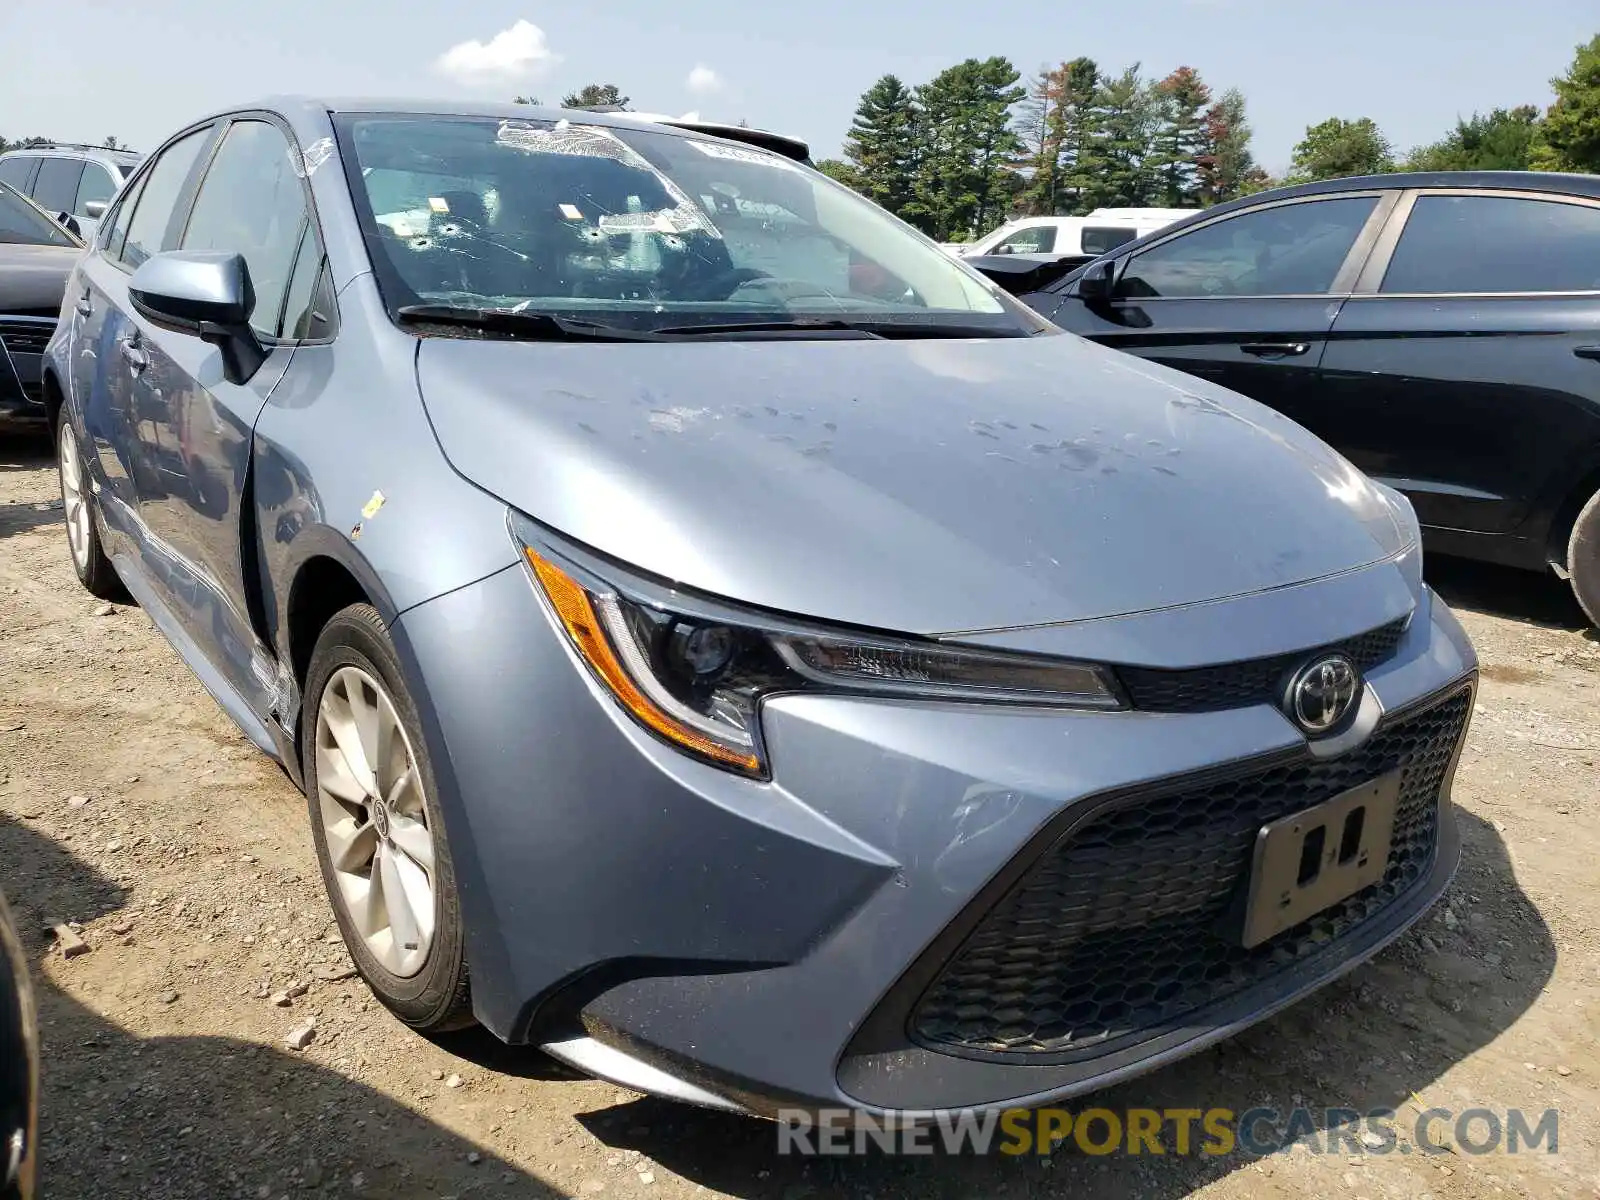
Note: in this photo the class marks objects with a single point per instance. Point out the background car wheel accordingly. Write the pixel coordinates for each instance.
(378, 832)
(1583, 558)
(89, 558)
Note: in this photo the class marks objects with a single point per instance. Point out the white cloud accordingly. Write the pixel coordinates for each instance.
(515, 55)
(703, 81)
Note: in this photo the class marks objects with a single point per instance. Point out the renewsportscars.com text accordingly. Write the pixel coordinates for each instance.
(1212, 1132)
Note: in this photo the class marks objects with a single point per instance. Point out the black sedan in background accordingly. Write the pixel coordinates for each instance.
(36, 255)
(1441, 330)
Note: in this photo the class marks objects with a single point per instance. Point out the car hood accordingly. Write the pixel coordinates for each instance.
(933, 486)
(34, 278)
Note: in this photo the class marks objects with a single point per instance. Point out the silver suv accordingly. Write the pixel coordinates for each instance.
(70, 180)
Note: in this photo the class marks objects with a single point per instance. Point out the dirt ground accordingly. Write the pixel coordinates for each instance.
(190, 870)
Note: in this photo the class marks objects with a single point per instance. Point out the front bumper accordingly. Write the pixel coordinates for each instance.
(766, 945)
(22, 342)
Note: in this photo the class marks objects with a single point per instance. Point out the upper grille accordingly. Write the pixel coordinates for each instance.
(1255, 681)
(1118, 931)
(25, 337)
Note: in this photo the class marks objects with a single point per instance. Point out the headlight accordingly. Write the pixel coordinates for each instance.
(694, 672)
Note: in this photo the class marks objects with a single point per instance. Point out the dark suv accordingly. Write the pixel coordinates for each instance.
(1441, 330)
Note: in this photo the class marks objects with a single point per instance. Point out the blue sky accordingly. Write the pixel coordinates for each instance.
(136, 70)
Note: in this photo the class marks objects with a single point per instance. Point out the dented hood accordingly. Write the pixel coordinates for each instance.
(920, 486)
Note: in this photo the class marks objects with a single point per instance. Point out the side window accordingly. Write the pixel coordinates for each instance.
(1034, 239)
(1102, 239)
(114, 231)
(163, 185)
(18, 172)
(307, 308)
(1286, 250)
(252, 203)
(56, 188)
(1496, 244)
(95, 185)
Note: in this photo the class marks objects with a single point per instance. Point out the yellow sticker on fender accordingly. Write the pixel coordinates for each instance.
(373, 505)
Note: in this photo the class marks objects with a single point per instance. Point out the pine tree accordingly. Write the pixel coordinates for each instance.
(1113, 171)
(963, 178)
(596, 95)
(1227, 169)
(1179, 138)
(882, 146)
(1039, 129)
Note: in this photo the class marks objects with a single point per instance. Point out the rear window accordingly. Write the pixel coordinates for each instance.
(1497, 244)
(56, 188)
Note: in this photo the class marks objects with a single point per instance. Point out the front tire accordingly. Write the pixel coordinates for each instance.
(89, 559)
(379, 835)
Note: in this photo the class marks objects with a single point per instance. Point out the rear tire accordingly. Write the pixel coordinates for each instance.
(81, 509)
(378, 831)
(1583, 559)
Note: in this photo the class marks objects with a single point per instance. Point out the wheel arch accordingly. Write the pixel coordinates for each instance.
(54, 395)
(1565, 514)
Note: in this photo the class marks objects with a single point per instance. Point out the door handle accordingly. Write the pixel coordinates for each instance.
(85, 306)
(138, 360)
(1276, 349)
(1590, 352)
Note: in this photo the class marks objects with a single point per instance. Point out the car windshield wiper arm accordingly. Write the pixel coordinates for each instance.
(801, 325)
(868, 327)
(515, 323)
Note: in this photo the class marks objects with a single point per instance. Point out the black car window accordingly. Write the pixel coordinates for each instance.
(22, 224)
(1496, 244)
(1283, 250)
(164, 182)
(56, 187)
(114, 230)
(1102, 239)
(18, 172)
(252, 203)
(96, 184)
(304, 317)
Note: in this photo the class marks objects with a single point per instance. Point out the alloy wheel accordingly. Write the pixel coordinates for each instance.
(369, 794)
(73, 497)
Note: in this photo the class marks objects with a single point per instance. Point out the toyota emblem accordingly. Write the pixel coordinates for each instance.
(1323, 693)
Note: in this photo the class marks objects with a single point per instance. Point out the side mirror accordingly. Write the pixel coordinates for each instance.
(95, 209)
(1098, 282)
(70, 223)
(206, 294)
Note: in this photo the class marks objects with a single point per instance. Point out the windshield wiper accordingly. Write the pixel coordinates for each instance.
(802, 325)
(539, 326)
(870, 327)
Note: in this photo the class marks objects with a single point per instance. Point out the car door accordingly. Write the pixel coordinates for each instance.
(123, 452)
(251, 202)
(1246, 299)
(1465, 371)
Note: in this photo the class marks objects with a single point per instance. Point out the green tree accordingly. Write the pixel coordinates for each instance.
(1112, 169)
(526, 100)
(1337, 148)
(1569, 137)
(1039, 132)
(1179, 137)
(1227, 168)
(841, 171)
(964, 178)
(1501, 141)
(596, 95)
(882, 146)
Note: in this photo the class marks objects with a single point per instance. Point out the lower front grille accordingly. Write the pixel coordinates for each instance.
(1118, 931)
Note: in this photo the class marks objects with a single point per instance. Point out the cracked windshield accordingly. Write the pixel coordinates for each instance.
(650, 229)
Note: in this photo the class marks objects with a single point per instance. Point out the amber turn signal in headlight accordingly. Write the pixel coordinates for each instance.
(596, 625)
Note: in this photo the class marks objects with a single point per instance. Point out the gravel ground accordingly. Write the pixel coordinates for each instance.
(131, 806)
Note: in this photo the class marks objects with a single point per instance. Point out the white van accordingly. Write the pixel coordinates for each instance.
(1055, 237)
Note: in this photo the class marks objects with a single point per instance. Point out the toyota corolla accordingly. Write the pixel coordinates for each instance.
(721, 638)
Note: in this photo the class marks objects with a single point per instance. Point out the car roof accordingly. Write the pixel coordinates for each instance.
(120, 158)
(301, 109)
